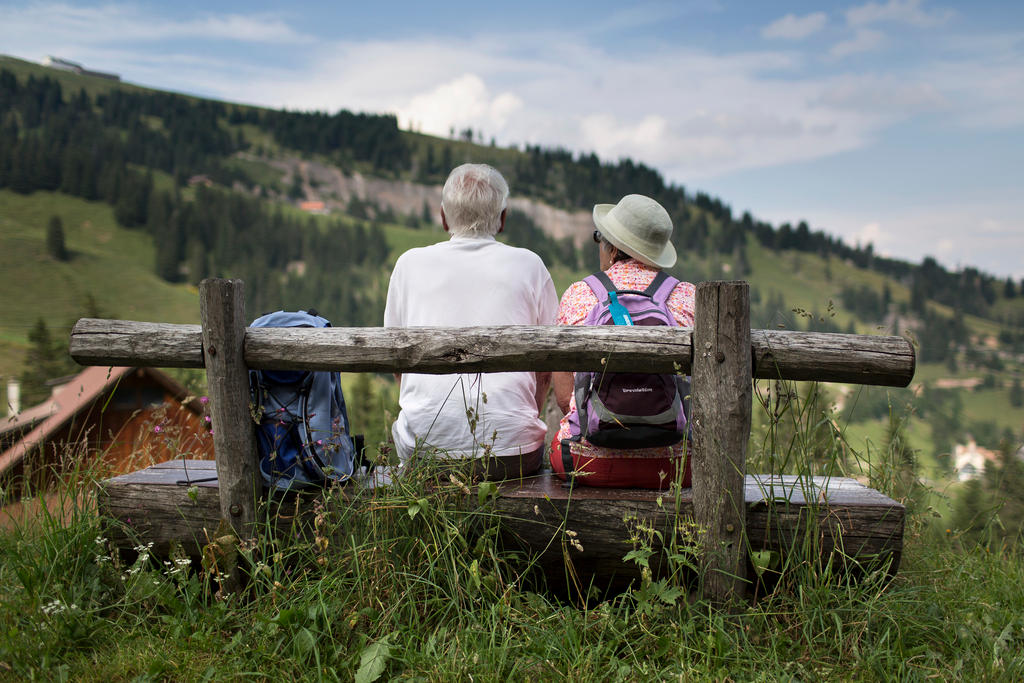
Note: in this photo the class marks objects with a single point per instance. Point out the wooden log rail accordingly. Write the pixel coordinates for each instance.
(775, 354)
(722, 353)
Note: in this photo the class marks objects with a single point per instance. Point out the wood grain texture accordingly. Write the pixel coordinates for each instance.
(721, 428)
(433, 350)
(826, 357)
(778, 354)
(95, 341)
(222, 309)
(829, 518)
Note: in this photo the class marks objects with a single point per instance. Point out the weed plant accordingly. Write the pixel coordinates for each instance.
(410, 582)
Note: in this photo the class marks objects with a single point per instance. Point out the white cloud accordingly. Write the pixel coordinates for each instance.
(895, 12)
(863, 40)
(613, 138)
(898, 12)
(985, 88)
(877, 94)
(459, 103)
(871, 233)
(792, 27)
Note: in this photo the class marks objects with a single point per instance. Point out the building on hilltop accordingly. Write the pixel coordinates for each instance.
(62, 64)
(74, 67)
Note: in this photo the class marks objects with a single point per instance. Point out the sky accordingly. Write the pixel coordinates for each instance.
(894, 122)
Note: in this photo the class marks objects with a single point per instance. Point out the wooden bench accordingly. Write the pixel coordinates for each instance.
(851, 523)
(735, 512)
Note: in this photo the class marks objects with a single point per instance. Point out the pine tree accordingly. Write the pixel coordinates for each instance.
(1016, 393)
(46, 359)
(55, 239)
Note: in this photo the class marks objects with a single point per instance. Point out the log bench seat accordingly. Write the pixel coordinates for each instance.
(842, 519)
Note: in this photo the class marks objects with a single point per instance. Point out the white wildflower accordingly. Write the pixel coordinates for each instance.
(53, 607)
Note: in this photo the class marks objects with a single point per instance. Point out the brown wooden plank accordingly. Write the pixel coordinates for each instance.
(721, 429)
(96, 341)
(159, 513)
(882, 360)
(829, 357)
(222, 311)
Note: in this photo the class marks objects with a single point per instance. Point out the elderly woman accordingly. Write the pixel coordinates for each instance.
(634, 241)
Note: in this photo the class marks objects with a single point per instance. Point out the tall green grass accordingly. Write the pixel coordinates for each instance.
(409, 582)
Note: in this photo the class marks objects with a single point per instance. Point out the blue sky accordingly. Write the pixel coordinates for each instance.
(896, 122)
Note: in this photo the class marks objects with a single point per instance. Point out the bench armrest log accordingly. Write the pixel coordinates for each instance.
(721, 428)
(775, 354)
(222, 310)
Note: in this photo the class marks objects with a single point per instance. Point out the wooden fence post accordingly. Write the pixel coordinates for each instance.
(222, 312)
(721, 408)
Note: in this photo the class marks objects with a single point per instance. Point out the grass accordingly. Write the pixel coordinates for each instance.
(410, 585)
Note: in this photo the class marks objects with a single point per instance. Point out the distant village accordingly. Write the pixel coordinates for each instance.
(76, 68)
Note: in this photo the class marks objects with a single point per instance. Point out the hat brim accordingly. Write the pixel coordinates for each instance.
(619, 237)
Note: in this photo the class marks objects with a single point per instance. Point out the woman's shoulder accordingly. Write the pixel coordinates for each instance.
(577, 300)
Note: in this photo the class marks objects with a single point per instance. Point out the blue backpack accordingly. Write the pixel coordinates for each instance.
(302, 432)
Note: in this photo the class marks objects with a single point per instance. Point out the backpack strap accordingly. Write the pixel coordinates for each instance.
(661, 287)
(600, 285)
(568, 466)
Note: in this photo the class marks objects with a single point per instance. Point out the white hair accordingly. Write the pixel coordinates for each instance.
(473, 198)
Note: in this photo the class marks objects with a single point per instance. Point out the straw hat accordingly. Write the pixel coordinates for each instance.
(639, 226)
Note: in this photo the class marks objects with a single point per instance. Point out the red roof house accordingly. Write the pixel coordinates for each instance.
(115, 419)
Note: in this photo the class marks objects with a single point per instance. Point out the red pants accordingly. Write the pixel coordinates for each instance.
(640, 473)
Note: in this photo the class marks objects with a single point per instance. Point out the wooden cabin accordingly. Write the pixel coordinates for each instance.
(118, 419)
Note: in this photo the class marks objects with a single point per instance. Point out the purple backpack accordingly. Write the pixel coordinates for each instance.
(628, 410)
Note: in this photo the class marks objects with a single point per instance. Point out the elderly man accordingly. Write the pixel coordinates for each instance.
(470, 280)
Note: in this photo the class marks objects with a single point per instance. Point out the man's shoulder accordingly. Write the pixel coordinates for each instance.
(417, 254)
(522, 253)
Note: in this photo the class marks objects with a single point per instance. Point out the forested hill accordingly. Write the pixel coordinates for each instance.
(216, 186)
